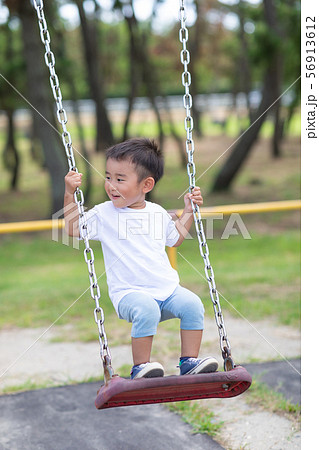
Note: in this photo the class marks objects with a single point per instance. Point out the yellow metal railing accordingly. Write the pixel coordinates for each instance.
(249, 208)
(246, 208)
(30, 226)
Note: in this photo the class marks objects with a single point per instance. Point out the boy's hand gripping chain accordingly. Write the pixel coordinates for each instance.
(78, 195)
(191, 170)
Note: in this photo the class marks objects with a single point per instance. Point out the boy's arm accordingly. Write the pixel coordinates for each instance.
(184, 222)
(71, 216)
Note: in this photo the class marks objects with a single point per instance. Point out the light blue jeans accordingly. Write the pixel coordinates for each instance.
(145, 312)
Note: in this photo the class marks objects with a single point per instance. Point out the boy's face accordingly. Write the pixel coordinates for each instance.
(122, 185)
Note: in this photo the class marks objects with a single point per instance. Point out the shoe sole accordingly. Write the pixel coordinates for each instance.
(153, 373)
(204, 366)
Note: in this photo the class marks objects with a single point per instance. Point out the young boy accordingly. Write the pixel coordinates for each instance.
(143, 286)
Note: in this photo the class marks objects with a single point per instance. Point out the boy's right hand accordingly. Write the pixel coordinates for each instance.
(72, 181)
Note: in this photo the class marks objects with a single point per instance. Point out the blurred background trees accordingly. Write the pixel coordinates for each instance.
(130, 49)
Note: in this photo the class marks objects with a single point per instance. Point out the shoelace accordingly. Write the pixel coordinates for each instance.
(188, 360)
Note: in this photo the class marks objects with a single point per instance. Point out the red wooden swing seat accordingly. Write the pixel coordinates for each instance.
(124, 392)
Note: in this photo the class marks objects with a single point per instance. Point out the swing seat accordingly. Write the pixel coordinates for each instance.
(125, 392)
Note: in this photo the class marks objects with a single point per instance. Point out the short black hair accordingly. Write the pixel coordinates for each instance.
(144, 153)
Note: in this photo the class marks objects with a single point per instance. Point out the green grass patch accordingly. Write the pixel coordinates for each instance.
(199, 418)
(124, 371)
(256, 278)
(275, 402)
(30, 385)
(43, 281)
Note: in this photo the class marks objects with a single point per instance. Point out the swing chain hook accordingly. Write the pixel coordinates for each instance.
(191, 171)
(78, 195)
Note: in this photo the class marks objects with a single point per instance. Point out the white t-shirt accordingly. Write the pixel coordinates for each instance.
(133, 244)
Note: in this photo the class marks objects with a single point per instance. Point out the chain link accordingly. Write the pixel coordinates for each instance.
(78, 195)
(191, 171)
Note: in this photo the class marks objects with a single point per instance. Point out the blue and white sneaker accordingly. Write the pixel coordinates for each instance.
(192, 366)
(147, 370)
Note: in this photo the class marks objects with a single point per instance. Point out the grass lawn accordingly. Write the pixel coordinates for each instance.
(41, 279)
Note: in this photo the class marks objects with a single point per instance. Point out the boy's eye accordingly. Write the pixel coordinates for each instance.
(120, 179)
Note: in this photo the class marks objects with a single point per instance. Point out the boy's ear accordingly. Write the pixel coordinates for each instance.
(148, 184)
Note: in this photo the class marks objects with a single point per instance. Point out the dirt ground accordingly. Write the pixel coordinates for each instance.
(31, 356)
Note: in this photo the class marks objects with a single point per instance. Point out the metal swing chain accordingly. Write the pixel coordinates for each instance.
(78, 195)
(191, 171)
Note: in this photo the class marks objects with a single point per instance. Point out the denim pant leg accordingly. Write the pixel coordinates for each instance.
(142, 311)
(186, 306)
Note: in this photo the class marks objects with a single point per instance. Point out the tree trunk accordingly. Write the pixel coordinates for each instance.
(86, 156)
(141, 61)
(194, 49)
(152, 84)
(245, 71)
(239, 154)
(271, 18)
(10, 154)
(270, 95)
(40, 98)
(104, 133)
(134, 81)
(179, 141)
(291, 110)
(278, 131)
(36, 150)
(61, 55)
(11, 158)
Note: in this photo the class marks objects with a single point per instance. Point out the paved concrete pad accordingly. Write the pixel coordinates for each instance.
(65, 418)
(282, 376)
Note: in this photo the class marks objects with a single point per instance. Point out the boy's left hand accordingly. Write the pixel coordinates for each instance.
(195, 196)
